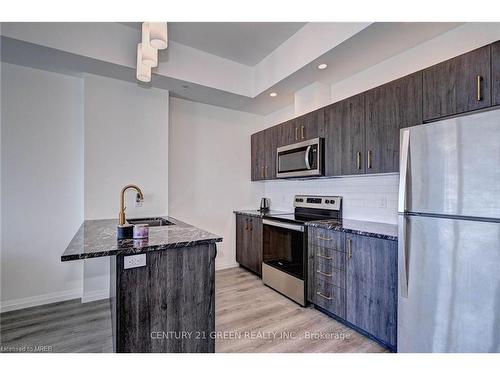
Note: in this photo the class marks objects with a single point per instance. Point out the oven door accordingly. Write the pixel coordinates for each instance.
(300, 159)
(283, 255)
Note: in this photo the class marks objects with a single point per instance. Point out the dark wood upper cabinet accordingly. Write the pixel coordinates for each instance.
(249, 242)
(371, 279)
(345, 137)
(257, 156)
(310, 125)
(271, 143)
(286, 133)
(495, 72)
(389, 108)
(263, 154)
(458, 85)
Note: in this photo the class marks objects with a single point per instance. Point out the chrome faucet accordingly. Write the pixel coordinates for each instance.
(121, 216)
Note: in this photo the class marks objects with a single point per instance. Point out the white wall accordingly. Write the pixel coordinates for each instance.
(42, 185)
(209, 164)
(126, 141)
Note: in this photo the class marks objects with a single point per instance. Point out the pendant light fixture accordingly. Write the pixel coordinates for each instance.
(158, 34)
(149, 53)
(143, 71)
(154, 37)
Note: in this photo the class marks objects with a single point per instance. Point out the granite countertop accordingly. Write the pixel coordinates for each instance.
(97, 238)
(258, 213)
(365, 228)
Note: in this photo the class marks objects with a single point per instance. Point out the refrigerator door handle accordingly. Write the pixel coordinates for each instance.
(403, 256)
(403, 169)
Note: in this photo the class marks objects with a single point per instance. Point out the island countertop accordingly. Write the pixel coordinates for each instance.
(97, 238)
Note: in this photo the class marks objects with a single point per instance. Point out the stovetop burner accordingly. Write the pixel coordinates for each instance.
(311, 208)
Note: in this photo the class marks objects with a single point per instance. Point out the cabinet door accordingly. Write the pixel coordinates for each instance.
(254, 157)
(255, 252)
(372, 286)
(345, 137)
(310, 125)
(287, 133)
(389, 108)
(452, 86)
(258, 156)
(495, 72)
(241, 239)
(270, 142)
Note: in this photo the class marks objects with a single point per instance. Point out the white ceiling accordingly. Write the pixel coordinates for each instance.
(244, 42)
(181, 71)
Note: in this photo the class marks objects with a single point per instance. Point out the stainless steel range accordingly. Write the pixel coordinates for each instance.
(284, 266)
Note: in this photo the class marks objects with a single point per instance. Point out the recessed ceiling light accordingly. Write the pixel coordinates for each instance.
(322, 66)
(273, 94)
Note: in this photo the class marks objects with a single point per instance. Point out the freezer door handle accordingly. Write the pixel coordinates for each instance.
(403, 256)
(403, 169)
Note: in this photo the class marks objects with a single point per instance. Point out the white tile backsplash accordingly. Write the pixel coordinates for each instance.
(371, 198)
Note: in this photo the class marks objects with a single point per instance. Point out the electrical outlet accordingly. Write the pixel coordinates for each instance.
(134, 261)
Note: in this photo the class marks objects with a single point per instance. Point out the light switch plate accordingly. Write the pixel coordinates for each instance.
(134, 261)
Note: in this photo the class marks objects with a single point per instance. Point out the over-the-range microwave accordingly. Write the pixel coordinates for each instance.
(303, 159)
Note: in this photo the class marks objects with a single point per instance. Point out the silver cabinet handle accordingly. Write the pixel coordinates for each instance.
(369, 159)
(479, 93)
(325, 238)
(323, 296)
(302, 131)
(349, 248)
(324, 256)
(323, 273)
(358, 160)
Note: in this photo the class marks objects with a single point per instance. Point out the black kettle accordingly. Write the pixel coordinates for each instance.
(264, 204)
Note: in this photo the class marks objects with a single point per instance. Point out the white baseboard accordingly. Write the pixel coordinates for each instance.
(43, 299)
(95, 295)
(225, 266)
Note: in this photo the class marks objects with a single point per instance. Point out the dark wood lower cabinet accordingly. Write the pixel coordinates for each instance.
(249, 242)
(354, 278)
(167, 306)
(372, 286)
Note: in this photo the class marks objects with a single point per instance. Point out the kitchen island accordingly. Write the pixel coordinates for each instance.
(162, 289)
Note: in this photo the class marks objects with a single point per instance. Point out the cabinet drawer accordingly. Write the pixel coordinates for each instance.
(330, 297)
(328, 259)
(334, 276)
(326, 238)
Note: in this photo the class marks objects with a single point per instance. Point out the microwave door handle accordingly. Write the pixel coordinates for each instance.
(308, 151)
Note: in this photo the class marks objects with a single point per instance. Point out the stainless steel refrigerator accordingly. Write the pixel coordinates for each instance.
(449, 236)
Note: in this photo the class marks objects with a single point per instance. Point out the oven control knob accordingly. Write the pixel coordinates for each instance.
(332, 201)
(327, 201)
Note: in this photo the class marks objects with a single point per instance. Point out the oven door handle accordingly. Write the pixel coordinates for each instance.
(295, 227)
(306, 158)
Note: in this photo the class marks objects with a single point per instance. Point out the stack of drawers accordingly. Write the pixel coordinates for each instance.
(327, 270)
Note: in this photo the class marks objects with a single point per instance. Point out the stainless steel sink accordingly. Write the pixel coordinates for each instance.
(151, 221)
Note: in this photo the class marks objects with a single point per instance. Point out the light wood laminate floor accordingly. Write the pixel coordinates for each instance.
(250, 317)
